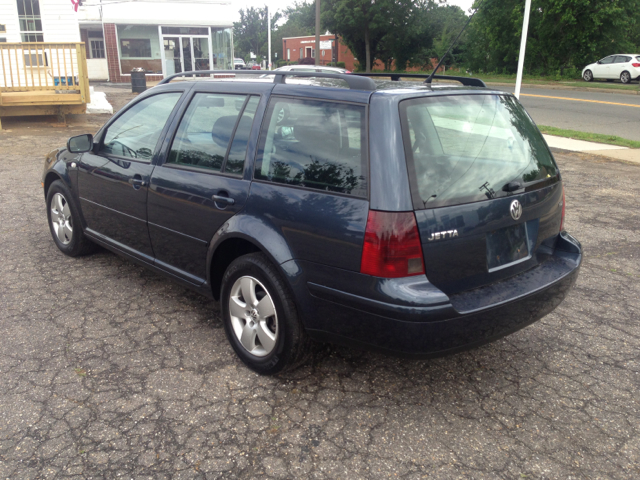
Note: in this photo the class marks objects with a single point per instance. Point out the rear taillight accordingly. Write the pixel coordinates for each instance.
(391, 245)
(563, 210)
(636, 65)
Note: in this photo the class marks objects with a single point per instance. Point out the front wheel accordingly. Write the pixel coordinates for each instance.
(260, 317)
(64, 222)
(587, 75)
(625, 77)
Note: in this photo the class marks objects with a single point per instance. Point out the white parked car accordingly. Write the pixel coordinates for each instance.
(312, 68)
(625, 66)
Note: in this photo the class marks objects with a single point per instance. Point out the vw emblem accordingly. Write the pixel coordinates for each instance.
(516, 210)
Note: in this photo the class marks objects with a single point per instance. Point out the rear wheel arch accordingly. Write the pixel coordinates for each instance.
(225, 253)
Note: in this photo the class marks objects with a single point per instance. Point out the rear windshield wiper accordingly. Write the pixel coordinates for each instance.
(512, 186)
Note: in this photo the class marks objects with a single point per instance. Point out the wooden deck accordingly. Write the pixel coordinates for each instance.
(43, 79)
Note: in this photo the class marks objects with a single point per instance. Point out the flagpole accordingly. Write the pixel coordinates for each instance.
(523, 46)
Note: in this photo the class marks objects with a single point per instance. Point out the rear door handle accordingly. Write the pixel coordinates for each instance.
(223, 199)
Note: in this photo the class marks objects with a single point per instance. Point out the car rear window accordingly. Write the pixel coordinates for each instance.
(314, 144)
(467, 148)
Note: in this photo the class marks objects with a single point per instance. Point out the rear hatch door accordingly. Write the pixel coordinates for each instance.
(485, 188)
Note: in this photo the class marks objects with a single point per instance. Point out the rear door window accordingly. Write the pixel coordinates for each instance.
(314, 144)
(468, 148)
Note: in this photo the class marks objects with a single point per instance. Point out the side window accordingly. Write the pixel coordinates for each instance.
(136, 132)
(314, 144)
(206, 129)
(607, 60)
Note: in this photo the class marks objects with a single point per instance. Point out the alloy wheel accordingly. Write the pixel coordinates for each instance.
(61, 219)
(588, 75)
(625, 77)
(253, 316)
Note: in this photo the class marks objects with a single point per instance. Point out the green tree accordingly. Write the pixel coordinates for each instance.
(250, 33)
(362, 24)
(562, 33)
(390, 30)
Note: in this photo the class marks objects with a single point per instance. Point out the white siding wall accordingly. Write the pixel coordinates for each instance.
(97, 69)
(59, 21)
(9, 17)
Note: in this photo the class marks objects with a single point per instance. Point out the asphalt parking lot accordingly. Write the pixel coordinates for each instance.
(109, 370)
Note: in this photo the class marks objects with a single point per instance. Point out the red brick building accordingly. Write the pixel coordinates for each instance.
(296, 48)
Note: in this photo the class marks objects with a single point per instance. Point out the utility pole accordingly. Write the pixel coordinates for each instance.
(523, 46)
(317, 32)
(269, 37)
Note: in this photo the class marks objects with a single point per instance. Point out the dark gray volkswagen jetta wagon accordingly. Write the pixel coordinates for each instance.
(412, 218)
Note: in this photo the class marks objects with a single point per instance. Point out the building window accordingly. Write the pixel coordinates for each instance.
(300, 57)
(135, 47)
(288, 54)
(30, 21)
(139, 47)
(97, 48)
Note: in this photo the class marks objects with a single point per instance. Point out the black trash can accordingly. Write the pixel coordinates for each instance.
(138, 80)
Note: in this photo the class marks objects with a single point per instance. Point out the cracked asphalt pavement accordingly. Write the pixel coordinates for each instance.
(108, 370)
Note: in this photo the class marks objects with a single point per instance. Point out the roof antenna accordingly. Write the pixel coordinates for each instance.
(430, 77)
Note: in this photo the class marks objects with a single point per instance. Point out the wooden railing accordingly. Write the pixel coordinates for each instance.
(52, 67)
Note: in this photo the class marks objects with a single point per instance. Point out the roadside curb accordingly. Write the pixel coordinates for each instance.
(566, 87)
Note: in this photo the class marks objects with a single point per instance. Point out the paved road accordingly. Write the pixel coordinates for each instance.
(607, 113)
(108, 370)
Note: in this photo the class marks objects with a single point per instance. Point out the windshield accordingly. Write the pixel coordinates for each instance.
(468, 148)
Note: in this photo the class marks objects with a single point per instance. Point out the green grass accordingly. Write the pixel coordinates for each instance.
(590, 137)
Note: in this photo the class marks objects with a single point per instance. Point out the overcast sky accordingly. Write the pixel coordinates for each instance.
(282, 4)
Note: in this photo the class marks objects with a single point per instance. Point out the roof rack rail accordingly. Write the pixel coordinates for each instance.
(466, 81)
(355, 82)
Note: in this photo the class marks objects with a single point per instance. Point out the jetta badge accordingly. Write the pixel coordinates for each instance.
(516, 210)
(443, 235)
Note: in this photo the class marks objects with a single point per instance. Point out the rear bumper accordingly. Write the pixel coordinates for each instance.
(464, 321)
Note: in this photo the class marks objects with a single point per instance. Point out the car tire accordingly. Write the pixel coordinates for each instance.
(587, 76)
(260, 317)
(625, 77)
(64, 222)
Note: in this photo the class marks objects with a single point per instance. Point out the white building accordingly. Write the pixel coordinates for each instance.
(161, 37)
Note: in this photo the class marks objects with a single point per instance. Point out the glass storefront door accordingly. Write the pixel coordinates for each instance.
(196, 48)
(200, 53)
(172, 57)
(184, 54)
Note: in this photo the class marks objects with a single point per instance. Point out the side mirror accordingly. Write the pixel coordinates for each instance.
(80, 144)
(599, 62)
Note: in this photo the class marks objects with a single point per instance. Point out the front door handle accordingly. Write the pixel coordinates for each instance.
(223, 199)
